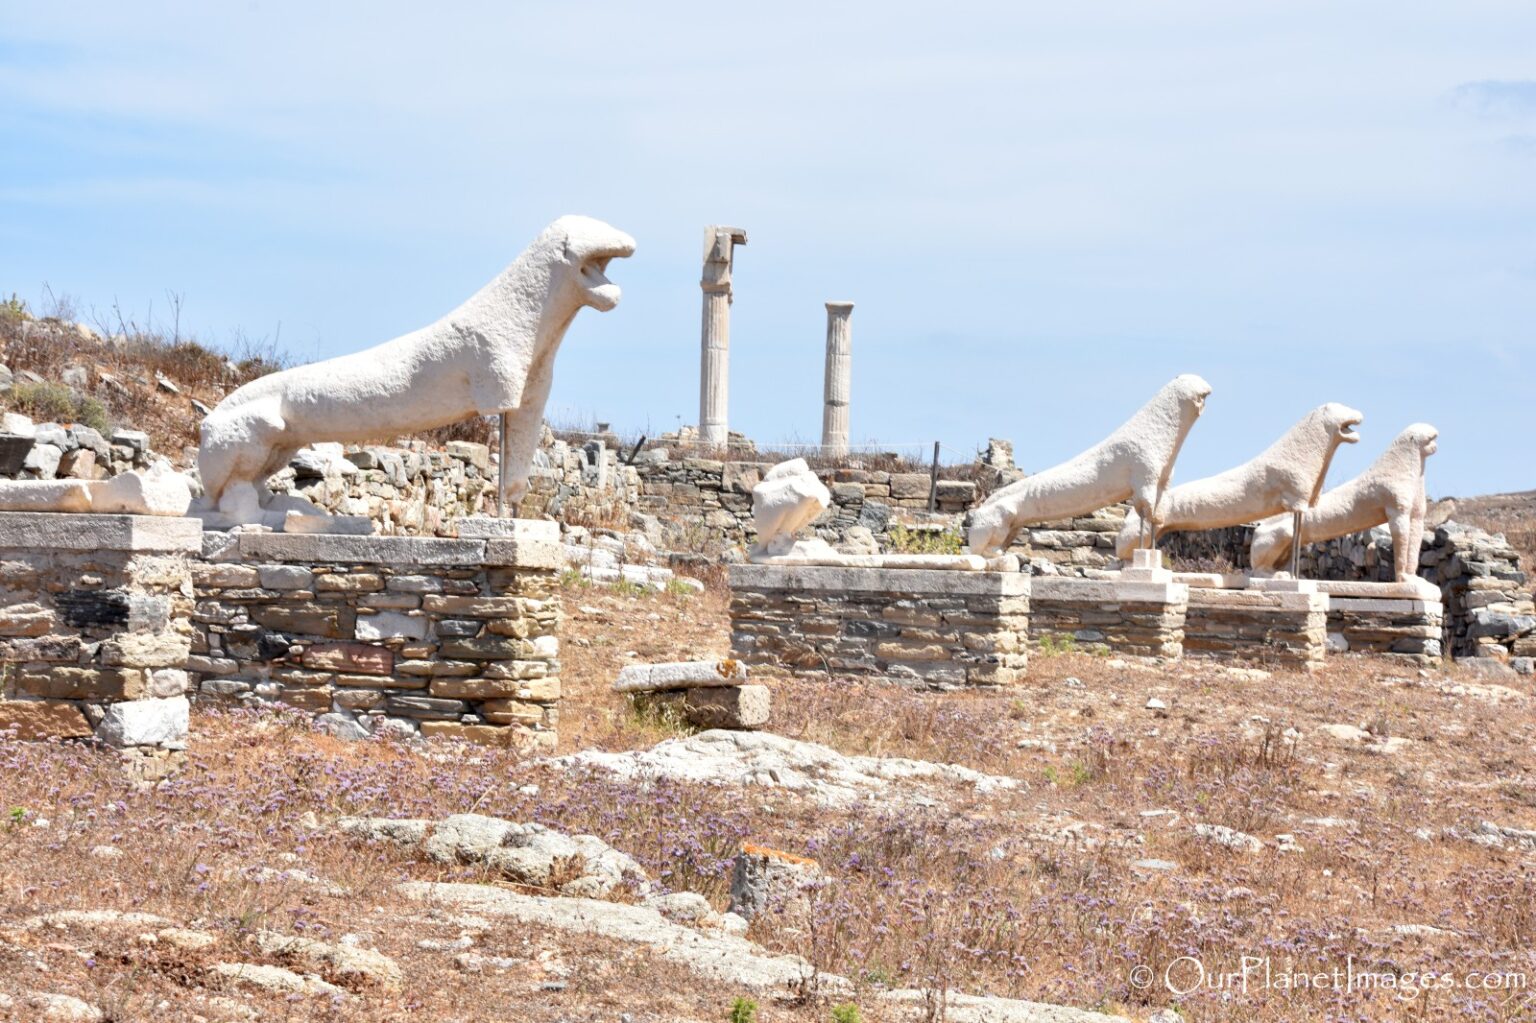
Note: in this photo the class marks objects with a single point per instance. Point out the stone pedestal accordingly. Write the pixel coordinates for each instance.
(1285, 626)
(1124, 616)
(1403, 620)
(941, 629)
(418, 635)
(94, 626)
(837, 388)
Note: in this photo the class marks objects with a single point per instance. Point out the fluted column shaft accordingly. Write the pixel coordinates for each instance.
(837, 389)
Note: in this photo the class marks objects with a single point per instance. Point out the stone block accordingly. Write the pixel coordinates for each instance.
(481, 527)
(69, 532)
(152, 722)
(63, 683)
(388, 625)
(910, 485)
(25, 620)
(765, 880)
(472, 607)
(634, 678)
(305, 619)
(485, 648)
(512, 712)
(147, 650)
(215, 576)
(747, 706)
(449, 687)
(528, 554)
(285, 577)
(426, 707)
(42, 719)
(332, 549)
(353, 658)
(480, 735)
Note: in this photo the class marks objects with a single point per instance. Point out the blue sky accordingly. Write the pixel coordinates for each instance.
(1042, 211)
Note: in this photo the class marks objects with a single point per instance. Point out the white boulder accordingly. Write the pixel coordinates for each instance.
(789, 498)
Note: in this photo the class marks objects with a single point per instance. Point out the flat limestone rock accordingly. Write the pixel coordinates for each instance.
(45, 496)
(941, 562)
(158, 490)
(654, 678)
(726, 960)
(339, 525)
(720, 757)
(1415, 588)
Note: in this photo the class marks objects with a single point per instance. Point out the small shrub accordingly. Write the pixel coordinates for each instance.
(654, 712)
(53, 403)
(925, 541)
(13, 310)
(845, 1013)
(625, 588)
(1053, 644)
(743, 1010)
(678, 588)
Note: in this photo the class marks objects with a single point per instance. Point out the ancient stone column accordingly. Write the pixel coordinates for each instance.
(839, 380)
(714, 373)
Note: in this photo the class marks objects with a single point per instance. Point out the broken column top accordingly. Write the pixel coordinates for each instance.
(719, 246)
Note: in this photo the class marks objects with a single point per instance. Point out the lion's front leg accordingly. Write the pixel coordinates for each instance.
(524, 425)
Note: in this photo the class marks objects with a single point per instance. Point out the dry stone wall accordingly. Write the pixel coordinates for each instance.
(93, 626)
(428, 636)
(1409, 629)
(928, 628)
(1281, 629)
(1141, 619)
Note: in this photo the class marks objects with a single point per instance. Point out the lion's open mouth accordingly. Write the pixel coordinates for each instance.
(1347, 432)
(603, 293)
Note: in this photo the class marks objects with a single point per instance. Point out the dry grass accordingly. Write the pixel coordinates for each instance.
(1032, 893)
(132, 355)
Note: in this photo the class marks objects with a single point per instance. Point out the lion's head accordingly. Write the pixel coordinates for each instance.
(1192, 391)
(988, 529)
(1421, 437)
(587, 246)
(1341, 421)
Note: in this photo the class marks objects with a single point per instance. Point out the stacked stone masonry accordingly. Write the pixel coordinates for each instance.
(94, 634)
(710, 502)
(937, 629)
(1138, 618)
(1287, 630)
(1409, 629)
(428, 636)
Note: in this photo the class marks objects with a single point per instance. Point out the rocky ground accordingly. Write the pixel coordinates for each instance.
(1036, 845)
(1514, 515)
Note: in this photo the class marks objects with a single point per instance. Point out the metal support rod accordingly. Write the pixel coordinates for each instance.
(635, 450)
(1296, 545)
(504, 448)
(933, 480)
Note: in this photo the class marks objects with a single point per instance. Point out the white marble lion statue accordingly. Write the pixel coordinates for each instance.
(1135, 462)
(493, 354)
(1287, 477)
(1391, 491)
